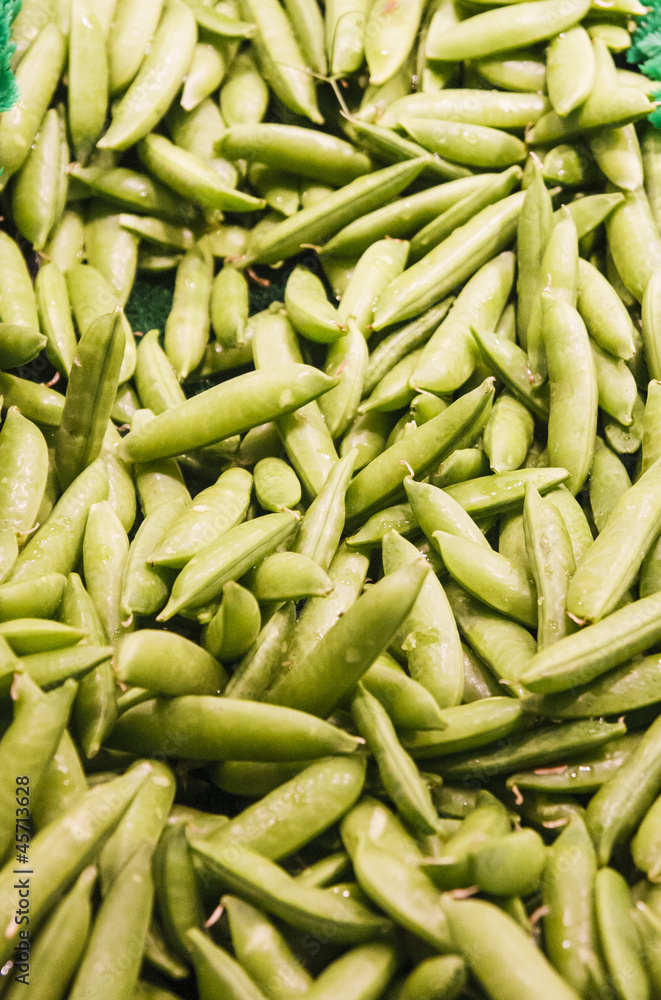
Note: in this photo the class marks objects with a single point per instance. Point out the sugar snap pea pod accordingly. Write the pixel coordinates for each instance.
(127, 909)
(362, 973)
(466, 727)
(53, 667)
(157, 81)
(111, 249)
(216, 972)
(634, 243)
(345, 23)
(533, 231)
(264, 953)
(449, 357)
(428, 635)
(539, 747)
(552, 561)
(155, 379)
(400, 776)
(605, 317)
(619, 936)
(368, 435)
(287, 576)
(509, 865)
(251, 779)
(145, 587)
(346, 360)
(645, 845)
(187, 326)
(130, 34)
(452, 865)
(235, 626)
(377, 267)
(442, 976)
(617, 153)
(558, 275)
(163, 235)
(262, 662)
(92, 296)
(587, 774)
(510, 363)
(625, 440)
(105, 550)
(132, 191)
(651, 420)
(400, 517)
(451, 262)
(38, 598)
(189, 425)
(389, 37)
(229, 307)
(435, 510)
(496, 494)
(205, 75)
(61, 942)
(57, 544)
(518, 70)
(24, 457)
(480, 107)
(34, 635)
(570, 928)
(569, 165)
(508, 434)
(55, 316)
(87, 79)
(308, 308)
(574, 518)
(321, 221)
(298, 811)
(356, 639)
(617, 392)
(227, 558)
(276, 485)
(570, 69)
(632, 685)
(573, 407)
(371, 820)
(90, 395)
(72, 839)
(381, 480)
(424, 406)
(244, 94)
(167, 663)
(66, 244)
(407, 702)
(19, 345)
(327, 871)
(177, 889)
(17, 301)
(622, 544)
(469, 145)
(34, 196)
(37, 77)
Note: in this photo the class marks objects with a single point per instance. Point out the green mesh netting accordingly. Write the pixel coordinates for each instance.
(8, 88)
(645, 50)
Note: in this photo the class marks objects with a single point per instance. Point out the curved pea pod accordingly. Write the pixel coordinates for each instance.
(470, 145)
(619, 935)
(17, 301)
(55, 316)
(489, 576)
(634, 242)
(24, 458)
(262, 662)
(406, 701)
(111, 249)
(466, 727)
(287, 74)
(579, 658)
(603, 313)
(345, 35)
(368, 435)
(570, 928)
(132, 191)
(645, 844)
(298, 811)
(156, 382)
(216, 972)
(376, 267)
(287, 576)
(227, 558)
(403, 891)
(308, 308)
(441, 976)
(509, 865)
(208, 728)
(371, 820)
(276, 485)
(508, 434)
(399, 517)
(105, 550)
(92, 297)
(34, 635)
(399, 774)
(356, 639)
(187, 326)
(88, 79)
(145, 587)
(37, 598)
(130, 34)
(587, 774)
(66, 244)
(37, 185)
(510, 363)
(451, 262)
(244, 95)
(207, 69)
(142, 823)
(167, 663)
(493, 108)
(449, 357)
(126, 908)
(233, 407)
(19, 345)
(517, 70)
(321, 221)
(363, 972)
(435, 510)
(618, 551)
(178, 901)
(92, 817)
(552, 561)
(617, 153)
(157, 81)
(235, 626)
(570, 165)
(229, 307)
(61, 942)
(428, 634)
(381, 480)
(56, 546)
(616, 385)
(505, 646)
(37, 77)
(264, 953)
(570, 70)
(347, 361)
(264, 884)
(451, 866)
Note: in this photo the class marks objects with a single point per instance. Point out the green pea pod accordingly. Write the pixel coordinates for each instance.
(444, 973)
(132, 191)
(617, 153)
(469, 145)
(91, 297)
(244, 95)
(356, 639)
(88, 79)
(450, 356)
(177, 889)
(157, 81)
(601, 309)
(264, 953)
(619, 935)
(644, 846)
(19, 345)
(37, 598)
(34, 198)
(398, 517)
(111, 249)
(17, 301)
(376, 268)
(205, 75)
(466, 727)
(517, 70)
(131, 32)
(262, 662)
(37, 77)
(229, 307)
(122, 921)
(276, 485)
(508, 434)
(247, 401)
(156, 382)
(510, 363)
(226, 728)
(308, 308)
(346, 360)
(298, 811)
(61, 942)
(371, 820)
(479, 107)
(216, 972)
(66, 244)
(192, 177)
(403, 891)
(552, 559)
(187, 326)
(389, 37)
(435, 510)
(510, 865)
(650, 426)
(323, 220)
(235, 626)
(263, 883)
(55, 316)
(368, 435)
(345, 34)
(534, 229)
(167, 663)
(280, 59)
(635, 244)
(407, 702)
(570, 70)
(105, 550)
(451, 262)
(452, 865)
(287, 576)
(586, 775)
(57, 544)
(24, 457)
(609, 480)
(363, 972)
(146, 586)
(250, 779)
(33, 635)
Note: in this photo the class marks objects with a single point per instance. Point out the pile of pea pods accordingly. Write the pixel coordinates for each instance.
(330, 632)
